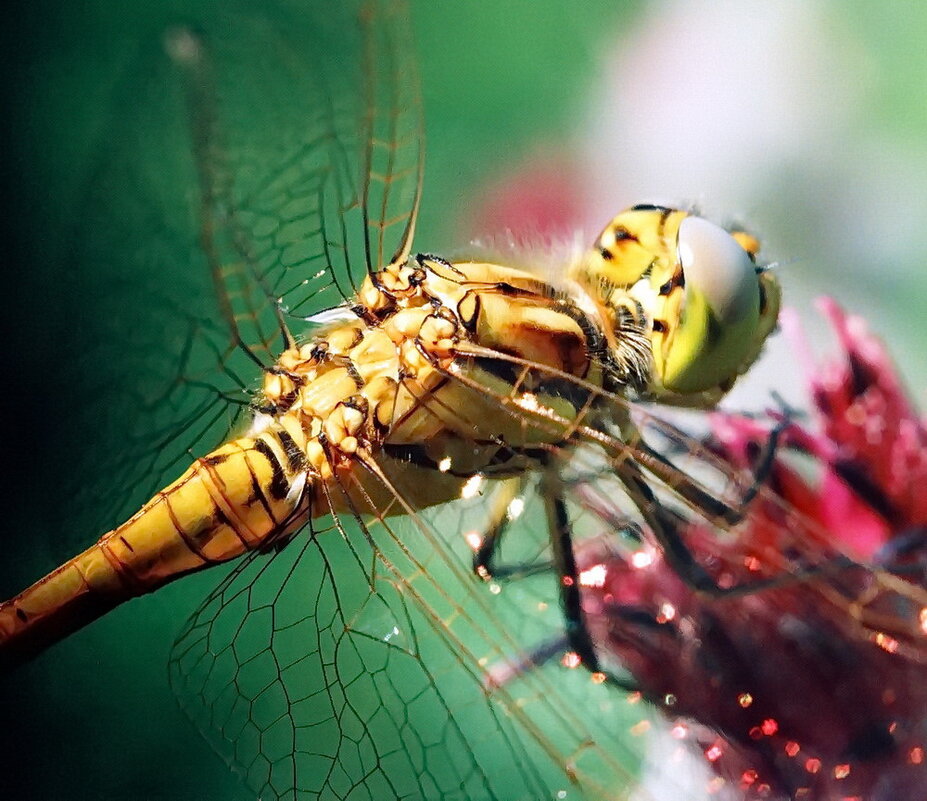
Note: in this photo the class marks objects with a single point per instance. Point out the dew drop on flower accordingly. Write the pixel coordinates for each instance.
(593, 576)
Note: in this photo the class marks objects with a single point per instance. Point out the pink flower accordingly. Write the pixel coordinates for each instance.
(814, 687)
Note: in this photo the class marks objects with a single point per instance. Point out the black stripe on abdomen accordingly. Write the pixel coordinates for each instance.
(279, 485)
(296, 459)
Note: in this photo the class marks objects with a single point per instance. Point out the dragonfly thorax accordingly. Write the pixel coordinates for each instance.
(345, 387)
(429, 335)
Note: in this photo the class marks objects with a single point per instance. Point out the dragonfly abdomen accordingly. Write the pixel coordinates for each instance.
(393, 377)
(236, 499)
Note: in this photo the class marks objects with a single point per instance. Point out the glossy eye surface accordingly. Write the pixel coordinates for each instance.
(718, 323)
(718, 267)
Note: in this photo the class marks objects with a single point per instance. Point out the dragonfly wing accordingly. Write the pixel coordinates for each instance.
(257, 164)
(307, 136)
(142, 361)
(357, 663)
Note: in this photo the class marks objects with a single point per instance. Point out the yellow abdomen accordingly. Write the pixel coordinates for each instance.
(236, 499)
(356, 422)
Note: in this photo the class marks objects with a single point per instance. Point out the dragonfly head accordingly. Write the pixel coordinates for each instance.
(692, 289)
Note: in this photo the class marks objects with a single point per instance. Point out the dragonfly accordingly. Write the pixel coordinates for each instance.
(362, 402)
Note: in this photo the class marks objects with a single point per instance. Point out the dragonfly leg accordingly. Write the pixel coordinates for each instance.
(578, 636)
(762, 468)
(500, 517)
(665, 526)
(712, 507)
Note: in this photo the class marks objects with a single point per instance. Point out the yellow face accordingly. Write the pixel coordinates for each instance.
(692, 288)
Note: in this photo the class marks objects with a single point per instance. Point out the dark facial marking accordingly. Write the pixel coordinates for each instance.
(651, 207)
(622, 234)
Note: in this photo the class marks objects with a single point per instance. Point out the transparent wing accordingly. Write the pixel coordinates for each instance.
(366, 659)
(257, 164)
(307, 132)
(355, 664)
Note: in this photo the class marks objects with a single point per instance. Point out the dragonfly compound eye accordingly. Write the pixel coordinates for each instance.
(726, 310)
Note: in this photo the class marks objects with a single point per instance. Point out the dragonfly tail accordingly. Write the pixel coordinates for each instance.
(67, 599)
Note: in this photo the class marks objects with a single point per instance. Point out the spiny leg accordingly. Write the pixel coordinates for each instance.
(577, 639)
(714, 508)
(665, 526)
(560, 532)
(762, 468)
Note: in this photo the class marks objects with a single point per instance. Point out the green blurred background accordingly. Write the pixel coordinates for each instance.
(815, 131)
